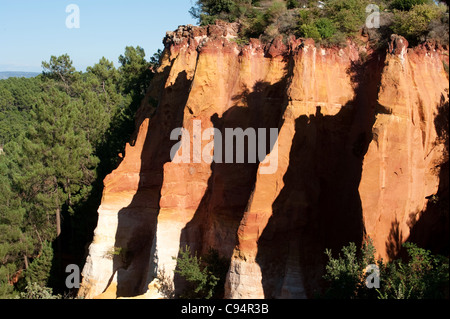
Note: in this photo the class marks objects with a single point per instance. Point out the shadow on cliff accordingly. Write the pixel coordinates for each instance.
(137, 222)
(431, 229)
(217, 218)
(394, 242)
(319, 206)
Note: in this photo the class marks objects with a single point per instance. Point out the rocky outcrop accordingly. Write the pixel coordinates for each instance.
(356, 155)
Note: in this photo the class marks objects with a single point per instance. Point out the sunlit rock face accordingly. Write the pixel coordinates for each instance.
(357, 155)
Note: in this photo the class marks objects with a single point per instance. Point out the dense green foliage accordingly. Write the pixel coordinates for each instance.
(331, 23)
(421, 276)
(422, 21)
(60, 134)
(35, 291)
(406, 5)
(205, 276)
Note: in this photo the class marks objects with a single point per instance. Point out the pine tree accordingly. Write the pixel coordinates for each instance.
(60, 69)
(15, 243)
(60, 134)
(63, 166)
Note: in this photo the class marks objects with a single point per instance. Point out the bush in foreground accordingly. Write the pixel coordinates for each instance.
(421, 276)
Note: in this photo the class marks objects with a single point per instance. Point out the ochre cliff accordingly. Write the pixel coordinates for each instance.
(357, 155)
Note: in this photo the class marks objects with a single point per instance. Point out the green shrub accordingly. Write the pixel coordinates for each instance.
(345, 274)
(305, 17)
(421, 276)
(275, 11)
(325, 27)
(414, 24)
(254, 25)
(241, 41)
(406, 5)
(332, 24)
(36, 291)
(348, 15)
(438, 29)
(321, 29)
(310, 31)
(205, 277)
(291, 4)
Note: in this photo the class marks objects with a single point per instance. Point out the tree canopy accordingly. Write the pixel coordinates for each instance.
(60, 133)
(328, 22)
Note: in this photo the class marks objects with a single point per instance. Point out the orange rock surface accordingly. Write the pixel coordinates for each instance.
(357, 156)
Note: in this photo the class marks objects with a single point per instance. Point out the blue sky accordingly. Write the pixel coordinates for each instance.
(33, 30)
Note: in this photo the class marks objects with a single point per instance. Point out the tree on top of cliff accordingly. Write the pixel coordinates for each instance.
(332, 21)
(328, 22)
(406, 5)
(422, 22)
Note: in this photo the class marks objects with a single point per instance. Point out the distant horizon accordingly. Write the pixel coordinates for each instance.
(33, 31)
(17, 74)
(24, 69)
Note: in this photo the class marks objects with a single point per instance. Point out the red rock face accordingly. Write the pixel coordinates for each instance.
(401, 167)
(357, 155)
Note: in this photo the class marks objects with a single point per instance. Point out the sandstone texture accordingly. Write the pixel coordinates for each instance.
(357, 155)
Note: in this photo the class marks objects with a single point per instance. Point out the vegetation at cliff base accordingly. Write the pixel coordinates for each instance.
(421, 275)
(204, 277)
(60, 135)
(329, 22)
